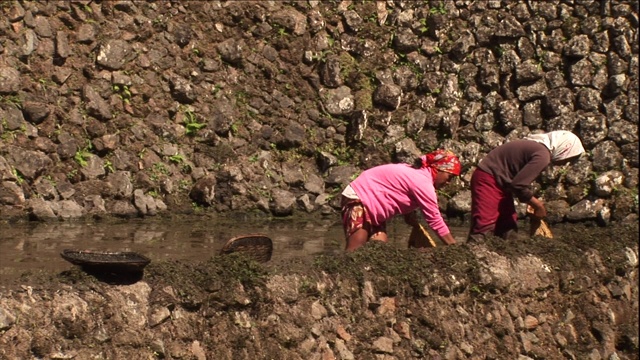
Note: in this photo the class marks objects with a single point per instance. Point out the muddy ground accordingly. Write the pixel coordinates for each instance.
(572, 297)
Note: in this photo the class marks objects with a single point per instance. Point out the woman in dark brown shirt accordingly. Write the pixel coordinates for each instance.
(507, 172)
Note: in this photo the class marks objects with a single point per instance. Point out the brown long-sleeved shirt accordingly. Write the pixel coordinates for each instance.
(516, 164)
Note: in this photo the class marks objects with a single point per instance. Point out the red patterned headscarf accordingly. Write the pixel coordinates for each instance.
(441, 160)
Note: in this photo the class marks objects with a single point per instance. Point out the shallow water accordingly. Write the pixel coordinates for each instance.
(28, 247)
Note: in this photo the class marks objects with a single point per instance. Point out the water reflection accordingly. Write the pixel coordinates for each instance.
(33, 246)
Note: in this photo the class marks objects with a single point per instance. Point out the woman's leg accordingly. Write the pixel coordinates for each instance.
(353, 220)
(507, 222)
(357, 225)
(357, 239)
(379, 234)
(485, 203)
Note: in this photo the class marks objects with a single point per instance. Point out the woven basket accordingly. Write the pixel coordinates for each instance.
(106, 261)
(257, 246)
(538, 227)
(420, 238)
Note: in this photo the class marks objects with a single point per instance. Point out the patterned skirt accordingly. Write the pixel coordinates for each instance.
(356, 217)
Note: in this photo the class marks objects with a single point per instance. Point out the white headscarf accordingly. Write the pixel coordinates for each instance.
(562, 144)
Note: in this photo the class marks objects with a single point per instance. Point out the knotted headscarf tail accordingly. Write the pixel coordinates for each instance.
(562, 144)
(441, 160)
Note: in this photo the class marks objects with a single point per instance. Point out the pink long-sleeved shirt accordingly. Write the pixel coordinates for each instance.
(394, 189)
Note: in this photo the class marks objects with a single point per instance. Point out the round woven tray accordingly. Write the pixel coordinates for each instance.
(106, 261)
(257, 246)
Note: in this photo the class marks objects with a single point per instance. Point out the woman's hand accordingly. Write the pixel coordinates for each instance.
(448, 239)
(539, 210)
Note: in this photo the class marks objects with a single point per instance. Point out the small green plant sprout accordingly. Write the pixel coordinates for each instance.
(423, 28)
(108, 166)
(177, 158)
(234, 128)
(186, 168)
(443, 194)
(216, 89)
(71, 174)
(438, 10)
(282, 31)
(184, 184)
(43, 83)
(50, 179)
(160, 168)
(331, 41)
(241, 97)
(17, 175)
(12, 99)
(196, 207)
(82, 155)
(191, 123)
(123, 92)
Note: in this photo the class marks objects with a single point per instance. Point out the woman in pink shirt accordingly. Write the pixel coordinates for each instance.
(384, 191)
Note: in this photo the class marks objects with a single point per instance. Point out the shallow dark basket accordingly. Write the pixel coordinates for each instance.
(257, 246)
(106, 261)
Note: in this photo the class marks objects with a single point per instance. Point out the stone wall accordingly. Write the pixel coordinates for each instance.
(135, 108)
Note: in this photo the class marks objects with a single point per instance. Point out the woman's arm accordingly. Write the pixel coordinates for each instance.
(539, 210)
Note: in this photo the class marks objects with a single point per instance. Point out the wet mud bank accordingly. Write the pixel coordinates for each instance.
(572, 297)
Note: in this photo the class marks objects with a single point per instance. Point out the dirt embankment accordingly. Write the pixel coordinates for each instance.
(574, 297)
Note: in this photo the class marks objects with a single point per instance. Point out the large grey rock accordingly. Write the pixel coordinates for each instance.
(593, 128)
(204, 190)
(7, 319)
(9, 80)
(35, 111)
(282, 202)
(341, 175)
(92, 166)
(231, 51)
(30, 164)
(114, 54)
(314, 184)
(41, 210)
(460, 202)
(67, 209)
(388, 95)
(121, 184)
(585, 210)
(606, 156)
(96, 106)
(608, 182)
(11, 193)
(145, 203)
(329, 72)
